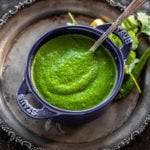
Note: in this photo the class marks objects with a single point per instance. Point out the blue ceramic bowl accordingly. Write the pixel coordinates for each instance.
(66, 116)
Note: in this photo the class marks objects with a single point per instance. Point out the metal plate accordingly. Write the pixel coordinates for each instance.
(119, 120)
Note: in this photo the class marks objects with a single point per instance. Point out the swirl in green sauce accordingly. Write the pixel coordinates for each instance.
(70, 77)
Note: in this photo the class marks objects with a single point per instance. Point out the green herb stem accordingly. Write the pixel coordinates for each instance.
(129, 80)
(74, 22)
(136, 84)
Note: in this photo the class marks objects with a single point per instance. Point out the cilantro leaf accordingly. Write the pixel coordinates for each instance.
(115, 39)
(145, 22)
(131, 58)
(130, 24)
(135, 39)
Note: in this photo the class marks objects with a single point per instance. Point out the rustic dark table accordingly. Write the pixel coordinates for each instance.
(141, 142)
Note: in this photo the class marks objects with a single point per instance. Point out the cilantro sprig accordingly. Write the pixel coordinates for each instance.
(135, 25)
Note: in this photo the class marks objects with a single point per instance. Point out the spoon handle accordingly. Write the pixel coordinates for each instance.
(135, 4)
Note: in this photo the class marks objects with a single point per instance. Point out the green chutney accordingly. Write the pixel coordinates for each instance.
(68, 76)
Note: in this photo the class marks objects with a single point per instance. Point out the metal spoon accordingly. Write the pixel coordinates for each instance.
(135, 4)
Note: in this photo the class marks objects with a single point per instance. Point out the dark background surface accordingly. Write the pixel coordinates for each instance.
(141, 142)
